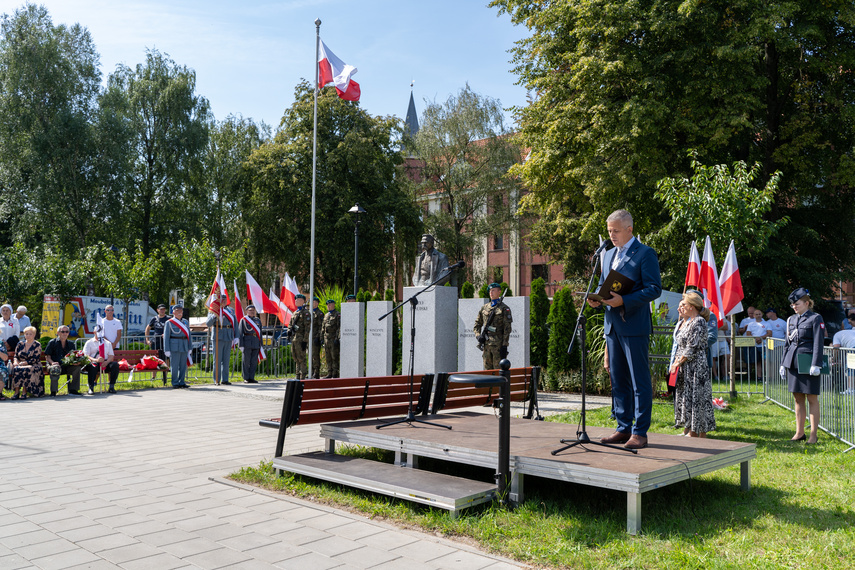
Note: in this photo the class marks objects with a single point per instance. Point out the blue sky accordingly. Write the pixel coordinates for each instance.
(248, 55)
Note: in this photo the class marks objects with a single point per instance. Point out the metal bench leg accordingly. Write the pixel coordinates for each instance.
(329, 446)
(745, 475)
(633, 513)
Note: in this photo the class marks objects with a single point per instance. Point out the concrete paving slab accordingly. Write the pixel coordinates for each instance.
(135, 480)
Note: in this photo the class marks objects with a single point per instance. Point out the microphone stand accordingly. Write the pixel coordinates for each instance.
(411, 417)
(581, 331)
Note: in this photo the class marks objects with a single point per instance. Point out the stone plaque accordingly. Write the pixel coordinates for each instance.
(352, 350)
(436, 331)
(378, 339)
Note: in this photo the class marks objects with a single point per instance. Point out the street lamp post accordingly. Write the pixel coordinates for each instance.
(356, 210)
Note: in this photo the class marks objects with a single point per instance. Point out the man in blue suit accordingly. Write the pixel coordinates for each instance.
(627, 330)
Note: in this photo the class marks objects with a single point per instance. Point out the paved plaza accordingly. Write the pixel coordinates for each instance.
(136, 480)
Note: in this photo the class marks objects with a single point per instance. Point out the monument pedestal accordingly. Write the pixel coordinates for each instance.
(352, 349)
(469, 357)
(378, 341)
(436, 331)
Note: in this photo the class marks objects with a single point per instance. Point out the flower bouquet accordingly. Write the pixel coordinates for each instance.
(75, 358)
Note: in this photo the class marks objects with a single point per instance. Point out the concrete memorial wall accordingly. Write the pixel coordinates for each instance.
(469, 358)
(436, 331)
(378, 340)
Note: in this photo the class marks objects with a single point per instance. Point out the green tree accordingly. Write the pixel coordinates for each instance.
(562, 327)
(358, 162)
(466, 151)
(721, 203)
(484, 291)
(127, 274)
(467, 290)
(539, 323)
(624, 88)
(195, 263)
(221, 175)
(168, 122)
(58, 152)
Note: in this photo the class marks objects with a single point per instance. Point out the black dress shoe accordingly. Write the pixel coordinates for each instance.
(226, 383)
(802, 438)
(251, 381)
(74, 393)
(112, 390)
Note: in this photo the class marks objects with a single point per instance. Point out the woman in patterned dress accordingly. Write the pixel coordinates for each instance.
(693, 407)
(27, 372)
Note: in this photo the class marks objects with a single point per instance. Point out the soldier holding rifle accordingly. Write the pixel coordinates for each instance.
(493, 328)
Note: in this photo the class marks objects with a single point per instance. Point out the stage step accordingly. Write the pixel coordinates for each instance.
(434, 489)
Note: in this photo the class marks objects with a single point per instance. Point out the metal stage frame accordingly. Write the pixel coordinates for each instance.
(472, 440)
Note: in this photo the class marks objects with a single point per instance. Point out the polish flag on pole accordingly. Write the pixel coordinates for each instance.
(709, 284)
(238, 312)
(282, 311)
(333, 71)
(219, 288)
(730, 284)
(289, 293)
(693, 271)
(262, 302)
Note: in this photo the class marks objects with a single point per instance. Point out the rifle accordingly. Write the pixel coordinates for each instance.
(482, 338)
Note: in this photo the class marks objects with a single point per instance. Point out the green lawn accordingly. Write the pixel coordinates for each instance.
(799, 513)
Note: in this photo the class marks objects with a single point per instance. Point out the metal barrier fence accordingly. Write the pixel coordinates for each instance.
(836, 394)
(278, 364)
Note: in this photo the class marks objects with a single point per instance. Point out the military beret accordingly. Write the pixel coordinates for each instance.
(349, 297)
(316, 299)
(300, 296)
(494, 286)
(330, 301)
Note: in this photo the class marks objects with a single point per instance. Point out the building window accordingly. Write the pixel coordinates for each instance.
(498, 242)
(540, 271)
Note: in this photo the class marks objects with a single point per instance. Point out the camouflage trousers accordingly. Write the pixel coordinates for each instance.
(299, 361)
(491, 357)
(331, 352)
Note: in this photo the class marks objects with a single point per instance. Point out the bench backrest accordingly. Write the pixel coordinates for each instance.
(453, 396)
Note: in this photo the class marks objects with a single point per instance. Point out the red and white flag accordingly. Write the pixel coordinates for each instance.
(333, 71)
(257, 297)
(289, 293)
(730, 284)
(709, 284)
(283, 313)
(238, 311)
(219, 288)
(693, 271)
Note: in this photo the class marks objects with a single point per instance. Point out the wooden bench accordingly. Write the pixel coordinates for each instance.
(342, 399)
(524, 383)
(348, 399)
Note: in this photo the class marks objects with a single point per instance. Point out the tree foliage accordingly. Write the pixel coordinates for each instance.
(624, 88)
(56, 149)
(539, 323)
(562, 327)
(721, 203)
(357, 163)
(168, 126)
(466, 153)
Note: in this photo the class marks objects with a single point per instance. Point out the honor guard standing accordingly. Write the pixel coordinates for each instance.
(250, 339)
(299, 336)
(317, 337)
(176, 346)
(332, 338)
(495, 321)
(222, 329)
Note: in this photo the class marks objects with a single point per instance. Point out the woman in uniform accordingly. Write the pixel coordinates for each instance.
(805, 334)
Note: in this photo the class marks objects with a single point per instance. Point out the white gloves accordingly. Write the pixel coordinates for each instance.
(167, 354)
(783, 372)
(814, 370)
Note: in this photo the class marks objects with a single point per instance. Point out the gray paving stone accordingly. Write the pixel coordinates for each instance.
(46, 548)
(366, 557)
(163, 537)
(131, 552)
(14, 562)
(27, 538)
(461, 560)
(302, 535)
(388, 540)
(334, 546)
(276, 553)
(106, 542)
(314, 561)
(423, 551)
(190, 547)
(161, 561)
(67, 559)
(248, 541)
(220, 558)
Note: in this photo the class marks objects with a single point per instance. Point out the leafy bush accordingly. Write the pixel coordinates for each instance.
(483, 292)
(390, 295)
(467, 290)
(562, 325)
(539, 325)
(504, 286)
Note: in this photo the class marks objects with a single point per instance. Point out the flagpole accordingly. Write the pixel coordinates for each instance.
(314, 182)
(219, 323)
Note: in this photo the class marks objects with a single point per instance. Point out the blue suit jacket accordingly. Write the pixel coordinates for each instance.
(642, 266)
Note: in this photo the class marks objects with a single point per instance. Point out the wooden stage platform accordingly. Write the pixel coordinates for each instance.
(473, 440)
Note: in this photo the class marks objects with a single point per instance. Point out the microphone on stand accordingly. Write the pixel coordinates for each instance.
(458, 265)
(601, 248)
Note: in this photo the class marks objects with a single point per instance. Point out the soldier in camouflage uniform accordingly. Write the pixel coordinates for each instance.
(318, 337)
(332, 338)
(299, 335)
(499, 331)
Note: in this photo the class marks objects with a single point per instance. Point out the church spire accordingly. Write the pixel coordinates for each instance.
(411, 123)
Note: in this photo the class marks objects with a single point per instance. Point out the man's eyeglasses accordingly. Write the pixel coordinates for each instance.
(63, 332)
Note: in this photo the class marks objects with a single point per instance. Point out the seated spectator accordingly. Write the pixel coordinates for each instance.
(55, 351)
(4, 369)
(23, 319)
(26, 374)
(9, 325)
(100, 354)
